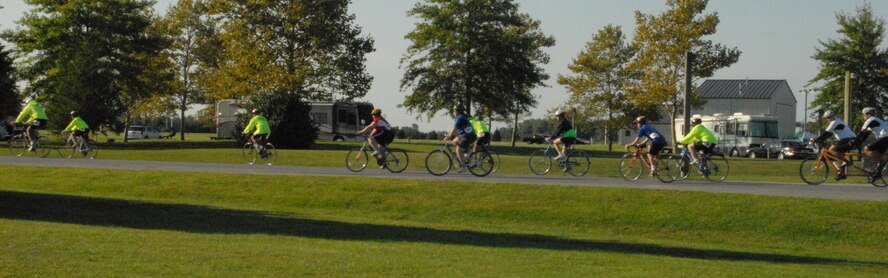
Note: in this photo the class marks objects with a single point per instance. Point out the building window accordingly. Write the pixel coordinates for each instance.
(628, 133)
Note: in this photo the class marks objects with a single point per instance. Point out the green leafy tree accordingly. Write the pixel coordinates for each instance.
(194, 47)
(9, 97)
(662, 42)
(858, 51)
(292, 51)
(91, 56)
(597, 87)
(477, 53)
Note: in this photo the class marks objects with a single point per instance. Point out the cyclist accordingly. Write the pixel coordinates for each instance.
(699, 139)
(465, 136)
(381, 134)
(564, 135)
(34, 118)
(78, 127)
(262, 130)
(844, 140)
(649, 133)
(481, 129)
(876, 126)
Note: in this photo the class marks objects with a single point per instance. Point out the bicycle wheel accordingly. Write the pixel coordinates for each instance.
(814, 171)
(42, 148)
(18, 146)
(438, 162)
(396, 161)
(269, 156)
(684, 167)
(496, 160)
(717, 168)
(66, 149)
(250, 153)
(630, 167)
(539, 162)
(93, 150)
(481, 163)
(356, 160)
(881, 181)
(667, 169)
(577, 163)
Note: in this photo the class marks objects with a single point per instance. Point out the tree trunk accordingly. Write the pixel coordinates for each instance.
(515, 129)
(126, 128)
(182, 120)
(608, 128)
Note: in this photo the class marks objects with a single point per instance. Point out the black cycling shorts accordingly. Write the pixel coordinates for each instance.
(706, 147)
(466, 139)
(845, 145)
(384, 138)
(568, 141)
(880, 145)
(38, 124)
(82, 133)
(484, 139)
(656, 149)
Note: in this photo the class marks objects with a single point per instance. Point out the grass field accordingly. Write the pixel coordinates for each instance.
(75, 222)
(199, 148)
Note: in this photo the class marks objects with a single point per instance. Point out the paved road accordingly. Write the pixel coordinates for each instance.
(844, 192)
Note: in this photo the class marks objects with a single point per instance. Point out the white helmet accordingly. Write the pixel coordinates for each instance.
(828, 113)
(559, 113)
(869, 111)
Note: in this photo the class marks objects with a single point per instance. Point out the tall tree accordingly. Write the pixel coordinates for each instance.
(194, 48)
(597, 86)
(285, 53)
(87, 55)
(478, 53)
(856, 51)
(662, 42)
(9, 97)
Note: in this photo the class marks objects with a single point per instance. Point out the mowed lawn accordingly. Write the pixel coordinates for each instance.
(76, 222)
(604, 163)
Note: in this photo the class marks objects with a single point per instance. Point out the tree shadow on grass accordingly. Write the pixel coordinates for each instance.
(210, 220)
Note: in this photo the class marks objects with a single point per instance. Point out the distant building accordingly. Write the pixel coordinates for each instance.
(737, 97)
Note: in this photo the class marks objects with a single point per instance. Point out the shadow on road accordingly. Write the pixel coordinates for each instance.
(210, 220)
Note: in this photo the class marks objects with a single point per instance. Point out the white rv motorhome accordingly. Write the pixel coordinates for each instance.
(336, 120)
(737, 133)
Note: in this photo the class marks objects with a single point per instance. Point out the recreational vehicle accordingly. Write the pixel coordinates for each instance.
(737, 134)
(335, 120)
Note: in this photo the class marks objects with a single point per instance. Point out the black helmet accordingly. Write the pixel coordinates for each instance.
(696, 121)
(74, 113)
(255, 111)
(641, 120)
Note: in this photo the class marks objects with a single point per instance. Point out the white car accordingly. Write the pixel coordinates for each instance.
(142, 132)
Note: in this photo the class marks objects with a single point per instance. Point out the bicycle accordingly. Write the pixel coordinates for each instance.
(494, 155)
(712, 166)
(440, 161)
(264, 154)
(811, 169)
(395, 161)
(667, 168)
(576, 162)
(74, 146)
(20, 146)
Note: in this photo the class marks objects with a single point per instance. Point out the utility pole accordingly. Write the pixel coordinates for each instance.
(687, 97)
(848, 77)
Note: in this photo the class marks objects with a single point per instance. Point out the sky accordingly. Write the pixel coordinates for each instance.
(777, 39)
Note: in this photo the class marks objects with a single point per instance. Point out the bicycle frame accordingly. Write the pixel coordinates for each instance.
(640, 154)
(826, 155)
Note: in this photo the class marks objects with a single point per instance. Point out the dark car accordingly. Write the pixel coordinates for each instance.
(536, 139)
(782, 149)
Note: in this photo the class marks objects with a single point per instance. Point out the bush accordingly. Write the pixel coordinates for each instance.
(497, 136)
(288, 115)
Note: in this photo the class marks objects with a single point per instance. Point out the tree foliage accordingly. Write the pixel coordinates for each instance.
(856, 51)
(87, 55)
(597, 86)
(475, 53)
(9, 97)
(663, 41)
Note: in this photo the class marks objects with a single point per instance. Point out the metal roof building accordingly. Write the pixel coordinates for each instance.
(750, 97)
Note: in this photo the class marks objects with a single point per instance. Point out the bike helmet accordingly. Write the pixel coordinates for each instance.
(255, 111)
(641, 120)
(74, 113)
(559, 113)
(696, 121)
(869, 111)
(376, 111)
(829, 114)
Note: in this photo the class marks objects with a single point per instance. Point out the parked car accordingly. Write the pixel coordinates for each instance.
(536, 139)
(142, 132)
(782, 149)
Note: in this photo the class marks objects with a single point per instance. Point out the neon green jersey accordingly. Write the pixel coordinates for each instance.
(260, 123)
(77, 124)
(33, 111)
(699, 134)
(478, 125)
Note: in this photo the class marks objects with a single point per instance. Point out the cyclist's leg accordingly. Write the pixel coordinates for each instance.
(457, 142)
(875, 151)
(692, 148)
(559, 148)
(654, 155)
(375, 144)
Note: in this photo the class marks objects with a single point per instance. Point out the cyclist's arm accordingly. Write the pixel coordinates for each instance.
(251, 125)
(452, 131)
(23, 115)
(367, 128)
(562, 127)
(689, 138)
(70, 127)
(823, 136)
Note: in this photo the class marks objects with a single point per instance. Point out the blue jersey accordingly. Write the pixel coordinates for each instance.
(463, 126)
(651, 133)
